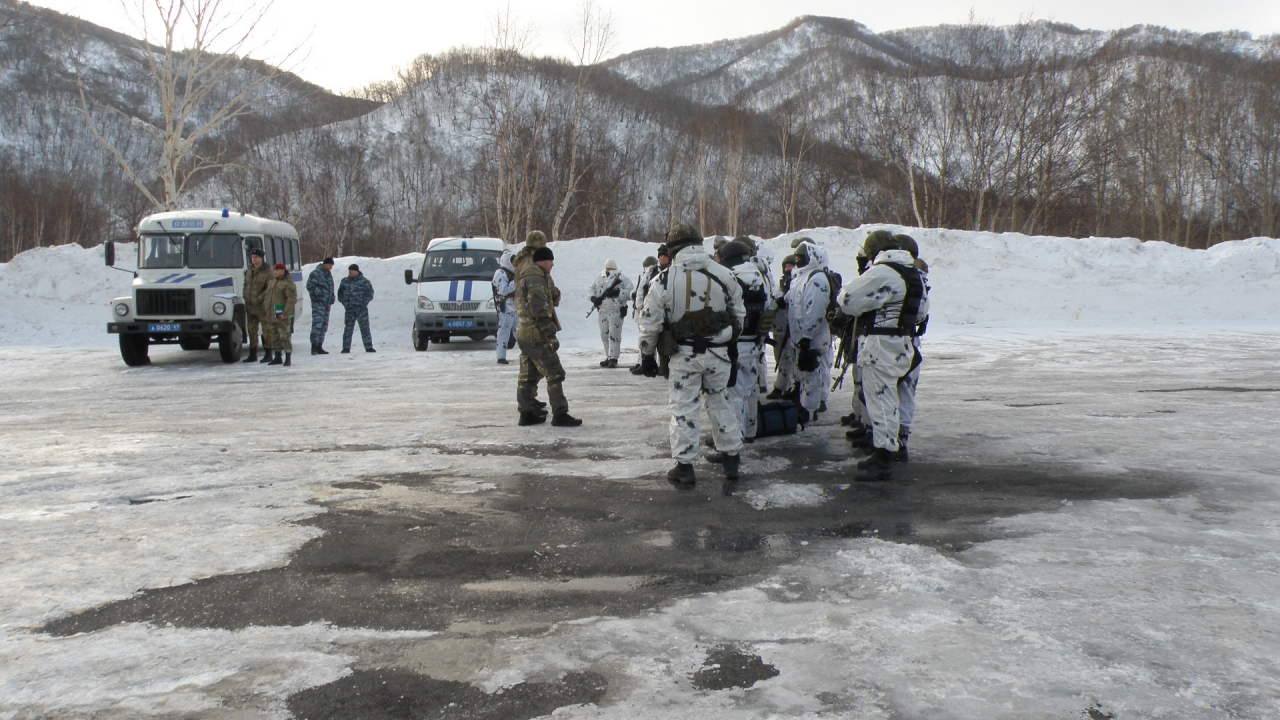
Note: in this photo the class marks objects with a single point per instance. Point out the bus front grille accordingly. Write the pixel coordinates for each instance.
(166, 303)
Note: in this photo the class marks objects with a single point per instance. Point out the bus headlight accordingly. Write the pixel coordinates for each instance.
(425, 304)
(122, 309)
(219, 308)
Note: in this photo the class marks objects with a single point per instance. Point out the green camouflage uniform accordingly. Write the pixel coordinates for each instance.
(526, 256)
(255, 288)
(280, 291)
(536, 334)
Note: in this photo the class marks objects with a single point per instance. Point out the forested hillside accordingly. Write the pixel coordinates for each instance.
(1037, 128)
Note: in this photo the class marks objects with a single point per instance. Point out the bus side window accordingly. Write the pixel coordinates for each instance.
(292, 262)
(297, 257)
(277, 246)
(252, 243)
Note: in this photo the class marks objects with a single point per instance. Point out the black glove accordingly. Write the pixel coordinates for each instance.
(806, 357)
(596, 301)
(648, 366)
(622, 312)
(613, 293)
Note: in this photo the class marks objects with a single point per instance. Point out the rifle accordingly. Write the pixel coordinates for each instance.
(847, 352)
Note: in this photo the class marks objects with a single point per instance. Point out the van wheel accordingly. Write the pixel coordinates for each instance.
(133, 349)
(194, 343)
(230, 344)
(420, 341)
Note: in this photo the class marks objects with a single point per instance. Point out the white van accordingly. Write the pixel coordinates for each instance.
(455, 290)
(188, 289)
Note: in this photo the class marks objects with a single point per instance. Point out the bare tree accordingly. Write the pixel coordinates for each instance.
(591, 38)
(196, 55)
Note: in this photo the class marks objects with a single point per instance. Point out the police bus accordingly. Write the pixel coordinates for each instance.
(188, 289)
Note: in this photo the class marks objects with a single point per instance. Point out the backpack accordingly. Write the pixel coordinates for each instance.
(836, 319)
(781, 417)
(755, 301)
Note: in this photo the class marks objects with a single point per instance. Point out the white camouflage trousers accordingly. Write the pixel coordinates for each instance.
(744, 396)
(880, 388)
(859, 408)
(506, 331)
(610, 330)
(815, 386)
(694, 378)
(907, 400)
(786, 371)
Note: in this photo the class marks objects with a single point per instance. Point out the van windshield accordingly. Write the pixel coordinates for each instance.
(459, 265)
(215, 251)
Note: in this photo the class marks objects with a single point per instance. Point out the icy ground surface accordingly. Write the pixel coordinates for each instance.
(197, 540)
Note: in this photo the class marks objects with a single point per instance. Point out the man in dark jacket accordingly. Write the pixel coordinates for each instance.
(320, 288)
(355, 293)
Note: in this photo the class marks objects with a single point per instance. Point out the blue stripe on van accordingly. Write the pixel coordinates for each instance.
(466, 291)
(453, 290)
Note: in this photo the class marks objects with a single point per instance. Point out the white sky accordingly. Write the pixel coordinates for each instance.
(354, 42)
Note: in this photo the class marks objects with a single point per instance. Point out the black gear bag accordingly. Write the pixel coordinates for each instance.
(780, 417)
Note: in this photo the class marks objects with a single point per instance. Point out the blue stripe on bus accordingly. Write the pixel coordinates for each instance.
(224, 282)
(166, 278)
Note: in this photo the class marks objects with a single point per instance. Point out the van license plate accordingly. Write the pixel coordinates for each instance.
(164, 327)
(460, 323)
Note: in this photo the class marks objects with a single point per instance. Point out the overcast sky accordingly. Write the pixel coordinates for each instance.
(354, 42)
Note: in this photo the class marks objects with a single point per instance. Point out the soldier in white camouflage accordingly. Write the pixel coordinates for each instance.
(744, 395)
(808, 329)
(694, 308)
(504, 290)
(609, 294)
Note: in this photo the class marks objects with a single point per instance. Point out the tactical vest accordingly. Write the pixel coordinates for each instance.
(696, 327)
(755, 301)
(909, 324)
(503, 299)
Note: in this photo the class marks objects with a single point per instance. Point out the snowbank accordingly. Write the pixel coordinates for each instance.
(981, 281)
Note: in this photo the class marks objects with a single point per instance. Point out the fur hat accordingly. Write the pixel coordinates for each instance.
(536, 239)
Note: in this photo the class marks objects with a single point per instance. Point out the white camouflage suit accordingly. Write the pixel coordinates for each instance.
(883, 359)
(504, 287)
(695, 377)
(763, 260)
(807, 320)
(612, 310)
(907, 385)
(744, 396)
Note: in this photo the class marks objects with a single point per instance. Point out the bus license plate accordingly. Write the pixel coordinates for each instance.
(460, 323)
(164, 327)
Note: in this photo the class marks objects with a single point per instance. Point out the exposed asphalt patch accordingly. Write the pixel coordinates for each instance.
(400, 695)
(526, 552)
(728, 667)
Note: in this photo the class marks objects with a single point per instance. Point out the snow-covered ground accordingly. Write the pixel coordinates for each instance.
(1146, 364)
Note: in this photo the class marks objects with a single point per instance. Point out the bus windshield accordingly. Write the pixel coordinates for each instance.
(191, 251)
(160, 251)
(215, 251)
(459, 265)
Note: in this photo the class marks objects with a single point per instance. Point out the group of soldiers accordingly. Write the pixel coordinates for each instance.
(706, 320)
(271, 297)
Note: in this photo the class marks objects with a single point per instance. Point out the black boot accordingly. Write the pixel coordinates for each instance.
(901, 455)
(604, 363)
(637, 370)
(315, 349)
(277, 360)
(539, 404)
(682, 475)
(266, 356)
(611, 363)
(288, 359)
(321, 351)
(715, 457)
(253, 355)
(731, 466)
(864, 441)
(850, 420)
(858, 431)
(877, 468)
(532, 418)
(774, 394)
(564, 419)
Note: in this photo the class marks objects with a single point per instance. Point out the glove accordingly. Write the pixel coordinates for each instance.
(648, 366)
(613, 293)
(596, 301)
(806, 357)
(622, 312)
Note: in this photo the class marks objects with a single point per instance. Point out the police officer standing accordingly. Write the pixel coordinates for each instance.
(355, 292)
(320, 288)
(694, 309)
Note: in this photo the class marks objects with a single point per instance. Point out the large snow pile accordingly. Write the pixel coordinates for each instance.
(981, 281)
